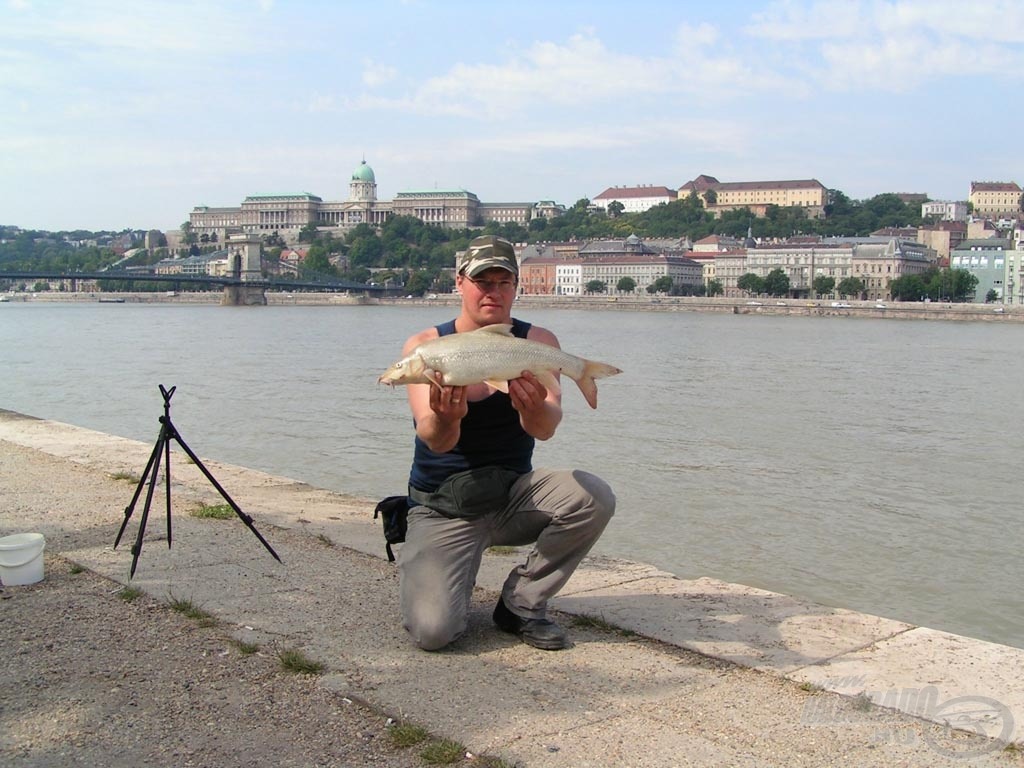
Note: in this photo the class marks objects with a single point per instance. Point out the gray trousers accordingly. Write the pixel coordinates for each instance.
(561, 512)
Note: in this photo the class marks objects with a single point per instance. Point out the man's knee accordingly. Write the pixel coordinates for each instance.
(429, 634)
(601, 497)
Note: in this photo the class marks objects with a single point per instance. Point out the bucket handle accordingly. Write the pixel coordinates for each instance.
(5, 564)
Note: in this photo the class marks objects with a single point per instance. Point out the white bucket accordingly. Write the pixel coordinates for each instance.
(21, 559)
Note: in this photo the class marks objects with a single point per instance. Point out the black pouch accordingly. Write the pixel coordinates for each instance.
(394, 511)
(469, 494)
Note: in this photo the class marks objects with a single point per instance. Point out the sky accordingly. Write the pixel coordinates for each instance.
(120, 114)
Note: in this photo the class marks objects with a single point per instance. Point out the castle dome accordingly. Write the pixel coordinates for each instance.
(363, 172)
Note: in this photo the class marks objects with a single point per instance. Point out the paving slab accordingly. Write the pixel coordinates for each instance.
(935, 675)
(741, 624)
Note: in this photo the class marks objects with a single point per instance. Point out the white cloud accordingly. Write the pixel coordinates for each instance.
(375, 75)
(145, 27)
(319, 103)
(702, 35)
(582, 72)
(793, 21)
(895, 46)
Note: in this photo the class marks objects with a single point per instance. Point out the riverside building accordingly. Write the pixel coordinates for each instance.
(875, 261)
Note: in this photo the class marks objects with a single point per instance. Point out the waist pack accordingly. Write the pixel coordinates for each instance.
(394, 512)
(469, 494)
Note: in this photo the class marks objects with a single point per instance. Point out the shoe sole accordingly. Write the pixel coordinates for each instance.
(546, 646)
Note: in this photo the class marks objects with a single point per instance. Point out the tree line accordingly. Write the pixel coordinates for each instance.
(934, 284)
(410, 253)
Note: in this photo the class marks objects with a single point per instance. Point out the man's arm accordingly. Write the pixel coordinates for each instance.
(540, 409)
(438, 412)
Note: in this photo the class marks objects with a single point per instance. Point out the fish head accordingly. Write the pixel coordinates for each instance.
(409, 370)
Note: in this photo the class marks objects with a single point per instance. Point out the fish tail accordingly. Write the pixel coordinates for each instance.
(587, 382)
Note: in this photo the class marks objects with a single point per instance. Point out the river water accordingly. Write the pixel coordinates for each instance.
(861, 463)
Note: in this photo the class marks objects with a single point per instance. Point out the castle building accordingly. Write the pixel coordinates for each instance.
(996, 199)
(287, 214)
(808, 194)
(362, 206)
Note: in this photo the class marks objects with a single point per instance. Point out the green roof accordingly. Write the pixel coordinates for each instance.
(363, 172)
(304, 195)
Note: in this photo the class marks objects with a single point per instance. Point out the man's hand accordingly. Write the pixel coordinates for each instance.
(539, 410)
(449, 403)
(527, 394)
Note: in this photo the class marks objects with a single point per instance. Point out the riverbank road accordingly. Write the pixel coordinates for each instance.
(662, 672)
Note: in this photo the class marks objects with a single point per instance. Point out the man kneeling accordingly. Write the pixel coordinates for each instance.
(473, 486)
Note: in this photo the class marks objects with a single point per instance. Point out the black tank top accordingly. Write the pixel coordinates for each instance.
(490, 436)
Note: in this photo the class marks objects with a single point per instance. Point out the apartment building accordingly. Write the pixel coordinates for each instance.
(876, 261)
(944, 210)
(608, 261)
(539, 276)
(942, 238)
(996, 265)
(565, 269)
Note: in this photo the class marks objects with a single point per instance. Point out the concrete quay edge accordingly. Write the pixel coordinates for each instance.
(923, 673)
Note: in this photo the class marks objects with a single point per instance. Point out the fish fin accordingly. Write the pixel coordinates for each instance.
(550, 381)
(503, 329)
(587, 382)
(436, 377)
(596, 370)
(501, 386)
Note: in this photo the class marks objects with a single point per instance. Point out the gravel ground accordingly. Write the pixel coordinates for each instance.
(88, 678)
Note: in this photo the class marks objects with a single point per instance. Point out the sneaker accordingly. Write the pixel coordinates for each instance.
(540, 633)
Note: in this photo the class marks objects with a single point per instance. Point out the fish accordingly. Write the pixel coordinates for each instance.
(493, 355)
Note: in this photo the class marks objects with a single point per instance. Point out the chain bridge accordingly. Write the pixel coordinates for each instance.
(243, 285)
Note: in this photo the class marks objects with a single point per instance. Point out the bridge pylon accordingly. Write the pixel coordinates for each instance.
(244, 266)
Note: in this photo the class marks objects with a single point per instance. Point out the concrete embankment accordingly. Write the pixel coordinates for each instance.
(911, 310)
(663, 671)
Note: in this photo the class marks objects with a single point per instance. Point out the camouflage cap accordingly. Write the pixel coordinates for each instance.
(488, 252)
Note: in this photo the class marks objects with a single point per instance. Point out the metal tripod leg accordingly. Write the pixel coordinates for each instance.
(151, 473)
(231, 502)
(154, 456)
